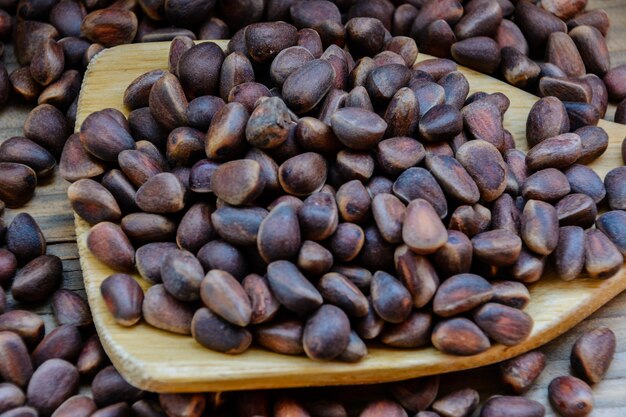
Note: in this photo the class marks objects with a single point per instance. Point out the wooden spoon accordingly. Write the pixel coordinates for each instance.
(158, 361)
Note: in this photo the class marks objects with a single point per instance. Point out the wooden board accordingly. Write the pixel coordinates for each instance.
(159, 361)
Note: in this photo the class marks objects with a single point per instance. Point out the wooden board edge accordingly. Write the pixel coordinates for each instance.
(159, 379)
(128, 365)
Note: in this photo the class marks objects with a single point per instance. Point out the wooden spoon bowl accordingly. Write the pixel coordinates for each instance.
(154, 360)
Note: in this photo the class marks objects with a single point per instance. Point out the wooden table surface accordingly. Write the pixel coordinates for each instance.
(54, 214)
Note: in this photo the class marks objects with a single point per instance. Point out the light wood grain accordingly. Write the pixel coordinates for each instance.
(159, 361)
